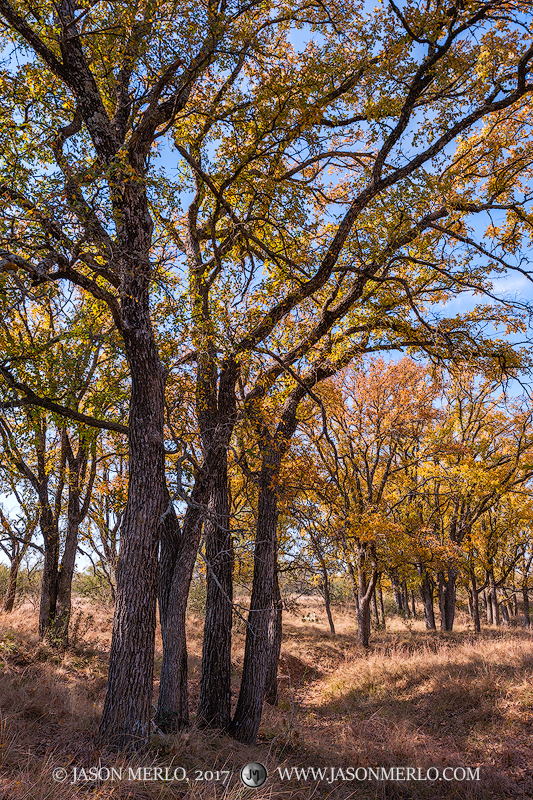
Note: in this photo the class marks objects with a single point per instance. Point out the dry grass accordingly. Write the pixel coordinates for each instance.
(416, 699)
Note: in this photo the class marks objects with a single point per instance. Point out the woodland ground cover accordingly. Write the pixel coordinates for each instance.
(418, 698)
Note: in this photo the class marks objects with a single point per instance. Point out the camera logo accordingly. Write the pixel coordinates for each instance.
(253, 774)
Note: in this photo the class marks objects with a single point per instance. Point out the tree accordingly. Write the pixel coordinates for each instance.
(376, 414)
(107, 507)
(488, 452)
(314, 523)
(16, 539)
(42, 345)
(496, 547)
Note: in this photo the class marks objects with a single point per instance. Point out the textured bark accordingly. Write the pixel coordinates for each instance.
(446, 586)
(351, 571)
(173, 707)
(214, 707)
(66, 571)
(122, 146)
(413, 604)
(245, 724)
(47, 608)
(365, 588)
(217, 417)
(178, 553)
(208, 502)
(363, 623)
(126, 717)
(274, 647)
(18, 547)
(49, 515)
(427, 588)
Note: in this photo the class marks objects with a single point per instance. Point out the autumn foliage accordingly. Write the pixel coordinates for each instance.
(214, 216)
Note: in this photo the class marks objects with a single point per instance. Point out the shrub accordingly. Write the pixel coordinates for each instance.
(4, 579)
(94, 584)
(197, 596)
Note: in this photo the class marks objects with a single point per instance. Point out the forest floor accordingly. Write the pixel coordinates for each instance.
(429, 701)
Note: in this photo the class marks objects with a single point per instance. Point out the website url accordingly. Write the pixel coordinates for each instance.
(333, 774)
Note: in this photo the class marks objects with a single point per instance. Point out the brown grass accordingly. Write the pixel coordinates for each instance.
(417, 699)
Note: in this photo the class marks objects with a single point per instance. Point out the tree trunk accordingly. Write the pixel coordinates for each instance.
(375, 609)
(66, 571)
(48, 603)
(493, 600)
(505, 613)
(396, 588)
(363, 623)
(245, 724)
(413, 604)
(525, 598)
(216, 413)
(327, 597)
(474, 596)
(365, 590)
(353, 581)
(216, 418)
(209, 502)
(275, 634)
(214, 707)
(57, 589)
(515, 604)
(126, 718)
(427, 587)
(64, 587)
(381, 605)
(446, 585)
(176, 564)
(405, 600)
(488, 607)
